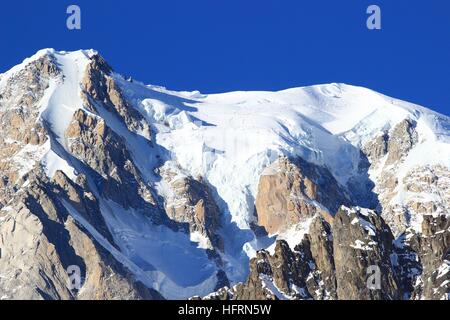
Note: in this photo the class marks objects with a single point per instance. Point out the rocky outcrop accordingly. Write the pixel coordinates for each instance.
(387, 153)
(401, 140)
(102, 150)
(316, 249)
(377, 148)
(191, 202)
(354, 259)
(433, 251)
(39, 228)
(272, 277)
(395, 144)
(362, 245)
(100, 87)
(79, 197)
(291, 190)
(304, 272)
(22, 135)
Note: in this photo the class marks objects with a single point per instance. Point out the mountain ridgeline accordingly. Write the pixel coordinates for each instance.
(112, 189)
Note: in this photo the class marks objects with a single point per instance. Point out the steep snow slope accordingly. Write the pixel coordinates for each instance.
(228, 140)
(63, 97)
(244, 131)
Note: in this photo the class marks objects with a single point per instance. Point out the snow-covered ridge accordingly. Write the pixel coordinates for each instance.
(246, 131)
(42, 53)
(228, 140)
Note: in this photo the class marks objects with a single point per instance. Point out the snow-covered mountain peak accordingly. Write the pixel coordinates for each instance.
(52, 54)
(212, 136)
(159, 177)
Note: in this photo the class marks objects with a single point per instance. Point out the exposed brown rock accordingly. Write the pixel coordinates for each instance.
(100, 148)
(378, 148)
(99, 85)
(288, 192)
(401, 140)
(193, 204)
(39, 229)
(81, 199)
(19, 113)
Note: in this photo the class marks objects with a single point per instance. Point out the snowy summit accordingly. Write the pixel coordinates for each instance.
(154, 193)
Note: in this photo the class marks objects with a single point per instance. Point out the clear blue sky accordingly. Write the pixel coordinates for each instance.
(225, 45)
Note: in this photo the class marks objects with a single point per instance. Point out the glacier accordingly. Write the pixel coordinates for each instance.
(227, 139)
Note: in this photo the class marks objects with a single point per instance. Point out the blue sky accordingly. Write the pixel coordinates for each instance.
(224, 45)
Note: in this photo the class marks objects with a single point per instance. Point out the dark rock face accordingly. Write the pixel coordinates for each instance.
(100, 148)
(354, 259)
(433, 250)
(80, 198)
(100, 87)
(317, 246)
(307, 272)
(42, 230)
(396, 143)
(362, 242)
